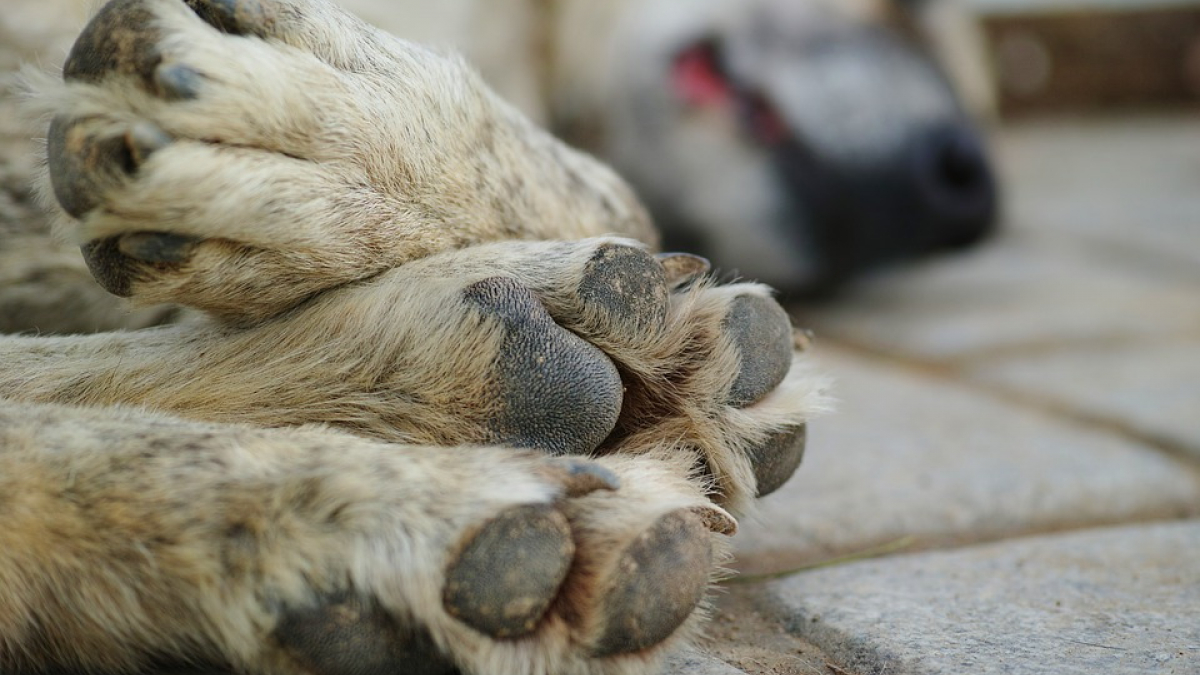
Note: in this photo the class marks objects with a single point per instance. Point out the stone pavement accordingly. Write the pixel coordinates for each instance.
(1011, 483)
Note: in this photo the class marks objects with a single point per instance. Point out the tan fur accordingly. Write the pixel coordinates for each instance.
(176, 492)
(110, 552)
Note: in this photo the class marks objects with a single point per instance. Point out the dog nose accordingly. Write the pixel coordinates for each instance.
(955, 184)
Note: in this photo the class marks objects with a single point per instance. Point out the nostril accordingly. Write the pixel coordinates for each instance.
(959, 166)
(956, 185)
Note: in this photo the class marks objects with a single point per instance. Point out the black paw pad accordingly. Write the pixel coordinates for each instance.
(84, 164)
(556, 392)
(508, 574)
(659, 580)
(236, 17)
(777, 459)
(762, 332)
(86, 161)
(628, 287)
(156, 247)
(109, 267)
(121, 38)
(349, 636)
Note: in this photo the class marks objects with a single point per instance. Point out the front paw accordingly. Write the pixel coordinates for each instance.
(710, 369)
(538, 565)
(239, 156)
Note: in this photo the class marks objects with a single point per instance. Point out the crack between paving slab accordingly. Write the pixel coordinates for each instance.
(919, 544)
(1036, 348)
(954, 372)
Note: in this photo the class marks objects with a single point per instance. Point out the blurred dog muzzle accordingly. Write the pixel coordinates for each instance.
(954, 186)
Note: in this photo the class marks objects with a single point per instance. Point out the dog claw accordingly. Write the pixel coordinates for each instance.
(141, 141)
(683, 267)
(177, 82)
(580, 478)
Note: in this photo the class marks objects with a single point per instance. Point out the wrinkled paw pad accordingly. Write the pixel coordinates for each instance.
(658, 581)
(762, 332)
(628, 286)
(349, 636)
(505, 578)
(778, 458)
(556, 392)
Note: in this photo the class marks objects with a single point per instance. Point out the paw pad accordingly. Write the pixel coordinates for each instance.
(657, 583)
(762, 332)
(235, 17)
(557, 393)
(628, 287)
(348, 636)
(121, 38)
(509, 573)
(778, 458)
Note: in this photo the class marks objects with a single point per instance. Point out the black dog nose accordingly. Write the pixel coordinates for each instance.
(955, 184)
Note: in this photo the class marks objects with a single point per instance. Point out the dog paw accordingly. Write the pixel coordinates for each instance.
(709, 369)
(603, 572)
(310, 551)
(239, 156)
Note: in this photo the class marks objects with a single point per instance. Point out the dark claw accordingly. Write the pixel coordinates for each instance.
(659, 580)
(156, 247)
(349, 636)
(580, 477)
(776, 460)
(683, 267)
(716, 520)
(143, 140)
(558, 393)
(509, 573)
(236, 17)
(176, 81)
(763, 334)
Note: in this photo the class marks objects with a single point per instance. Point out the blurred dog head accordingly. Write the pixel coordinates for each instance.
(800, 142)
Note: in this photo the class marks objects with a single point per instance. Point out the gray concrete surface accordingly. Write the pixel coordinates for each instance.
(1118, 601)
(1018, 442)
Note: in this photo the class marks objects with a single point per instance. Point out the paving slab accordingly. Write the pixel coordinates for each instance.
(1151, 389)
(1114, 601)
(1123, 188)
(911, 455)
(1011, 295)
